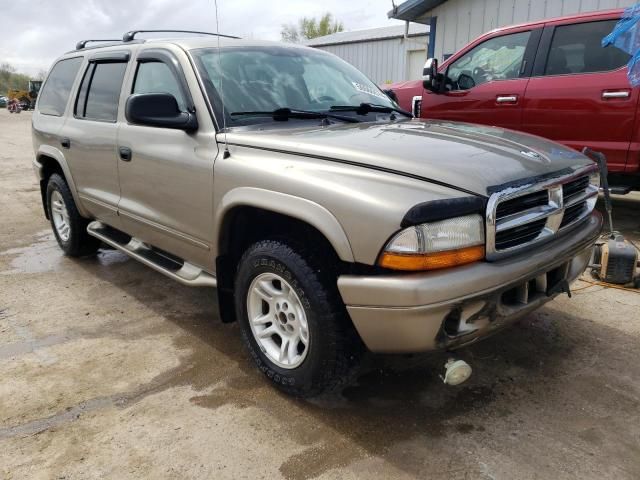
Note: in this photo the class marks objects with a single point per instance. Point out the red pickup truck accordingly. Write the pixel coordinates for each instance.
(551, 78)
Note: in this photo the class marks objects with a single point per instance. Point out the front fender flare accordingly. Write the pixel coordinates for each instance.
(300, 208)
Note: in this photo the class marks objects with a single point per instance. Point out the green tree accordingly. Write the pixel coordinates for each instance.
(308, 28)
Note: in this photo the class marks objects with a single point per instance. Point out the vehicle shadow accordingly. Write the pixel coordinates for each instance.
(392, 400)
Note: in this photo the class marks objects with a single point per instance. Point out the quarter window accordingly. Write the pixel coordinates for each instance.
(157, 77)
(99, 93)
(55, 93)
(499, 58)
(577, 49)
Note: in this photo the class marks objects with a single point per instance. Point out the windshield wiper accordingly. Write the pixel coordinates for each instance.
(284, 114)
(365, 108)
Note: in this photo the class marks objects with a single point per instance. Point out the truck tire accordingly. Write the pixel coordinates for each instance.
(68, 226)
(293, 320)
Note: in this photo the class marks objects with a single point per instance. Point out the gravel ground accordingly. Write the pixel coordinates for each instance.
(109, 369)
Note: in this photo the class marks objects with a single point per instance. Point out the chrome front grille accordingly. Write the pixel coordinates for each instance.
(518, 217)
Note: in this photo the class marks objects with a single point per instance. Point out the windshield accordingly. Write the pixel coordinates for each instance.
(264, 79)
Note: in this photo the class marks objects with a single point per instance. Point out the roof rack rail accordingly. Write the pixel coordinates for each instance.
(83, 43)
(129, 36)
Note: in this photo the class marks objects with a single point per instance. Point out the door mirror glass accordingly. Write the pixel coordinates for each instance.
(158, 110)
(430, 74)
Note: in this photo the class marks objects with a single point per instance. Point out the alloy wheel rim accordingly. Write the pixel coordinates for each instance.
(60, 216)
(278, 320)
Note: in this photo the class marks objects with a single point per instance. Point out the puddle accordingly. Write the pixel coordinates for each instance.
(42, 256)
(46, 256)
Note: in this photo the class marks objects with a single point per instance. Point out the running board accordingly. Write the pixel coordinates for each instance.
(171, 266)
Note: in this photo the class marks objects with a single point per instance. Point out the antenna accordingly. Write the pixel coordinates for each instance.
(226, 153)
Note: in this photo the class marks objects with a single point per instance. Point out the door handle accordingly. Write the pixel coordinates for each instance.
(65, 142)
(616, 94)
(507, 99)
(125, 154)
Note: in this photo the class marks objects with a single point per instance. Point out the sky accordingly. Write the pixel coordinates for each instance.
(36, 32)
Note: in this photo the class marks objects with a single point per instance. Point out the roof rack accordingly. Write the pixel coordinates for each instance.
(129, 36)
(83, 43)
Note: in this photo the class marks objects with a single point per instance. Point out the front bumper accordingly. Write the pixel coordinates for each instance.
(451, 308)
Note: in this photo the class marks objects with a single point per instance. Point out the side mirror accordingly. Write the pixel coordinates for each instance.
(430, 74)
(159, 110)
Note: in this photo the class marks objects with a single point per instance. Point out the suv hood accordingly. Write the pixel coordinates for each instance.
(471, 158)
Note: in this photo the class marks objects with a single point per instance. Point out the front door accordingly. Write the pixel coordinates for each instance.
(486, 83)
(89, 135)
(166, 175)
(580, 94)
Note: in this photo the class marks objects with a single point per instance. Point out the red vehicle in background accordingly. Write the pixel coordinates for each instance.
(550, 78)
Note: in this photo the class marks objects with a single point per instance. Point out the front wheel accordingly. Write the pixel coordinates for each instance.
(293, 320)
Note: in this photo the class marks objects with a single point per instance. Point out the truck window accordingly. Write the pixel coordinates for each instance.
(56, 91)
(499, 58)
(156, 77)
(99, 93)
(577, 49)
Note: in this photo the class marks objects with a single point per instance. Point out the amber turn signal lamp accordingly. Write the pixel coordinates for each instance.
(431, 261)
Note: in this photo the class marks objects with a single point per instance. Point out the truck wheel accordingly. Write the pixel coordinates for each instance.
(293, 320)
(68, 226)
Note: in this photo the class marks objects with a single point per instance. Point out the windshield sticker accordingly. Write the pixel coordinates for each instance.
(368, 90)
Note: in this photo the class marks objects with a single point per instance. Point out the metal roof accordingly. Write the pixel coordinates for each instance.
(371, 34)
(412, 9)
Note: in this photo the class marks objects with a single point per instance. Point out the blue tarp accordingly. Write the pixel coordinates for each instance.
(626, 36)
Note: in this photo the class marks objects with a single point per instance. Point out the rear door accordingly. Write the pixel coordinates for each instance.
(486, 82)
(579, 94)
(90, 132)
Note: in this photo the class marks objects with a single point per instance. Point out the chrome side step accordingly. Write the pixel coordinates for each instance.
(172, 267)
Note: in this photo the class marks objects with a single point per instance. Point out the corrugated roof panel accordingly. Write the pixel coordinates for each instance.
(367, 35)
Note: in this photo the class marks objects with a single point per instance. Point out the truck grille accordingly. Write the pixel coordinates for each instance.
(521, 216)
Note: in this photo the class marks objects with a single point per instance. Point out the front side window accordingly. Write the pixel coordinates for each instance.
(55, 94)
(157, 77)
(99, 93)
(577, 49)
(499, 58)
(259, 79)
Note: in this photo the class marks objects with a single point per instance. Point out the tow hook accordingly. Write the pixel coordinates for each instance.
(456, 372)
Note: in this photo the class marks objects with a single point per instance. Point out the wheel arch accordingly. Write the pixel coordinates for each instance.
(257, 214)
(49, 161)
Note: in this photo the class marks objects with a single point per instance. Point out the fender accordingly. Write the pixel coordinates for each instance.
(58, 156)
(300, 208)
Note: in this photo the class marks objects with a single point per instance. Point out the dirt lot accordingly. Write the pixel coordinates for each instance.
(108, 369)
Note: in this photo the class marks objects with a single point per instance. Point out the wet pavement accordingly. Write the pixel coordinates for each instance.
(109, 369)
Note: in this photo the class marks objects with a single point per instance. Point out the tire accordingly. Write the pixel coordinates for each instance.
(73, 238)
(332, 348)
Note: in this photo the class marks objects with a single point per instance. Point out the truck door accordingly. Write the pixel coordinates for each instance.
(166, 175)
(486, 83)
(579, 94)
(88, 137)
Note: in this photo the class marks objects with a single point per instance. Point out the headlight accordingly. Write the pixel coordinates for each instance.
(594, 179)
(434, 245)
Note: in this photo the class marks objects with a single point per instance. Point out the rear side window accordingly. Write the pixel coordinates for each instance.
(55, 93)
(99, 93)
(577, 49)
(157, 77)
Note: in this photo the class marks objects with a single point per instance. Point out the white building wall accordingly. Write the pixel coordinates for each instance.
(383, 61)
(460, 21)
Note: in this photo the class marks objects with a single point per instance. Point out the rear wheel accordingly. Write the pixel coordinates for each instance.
(293, 320)
(69, 227)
